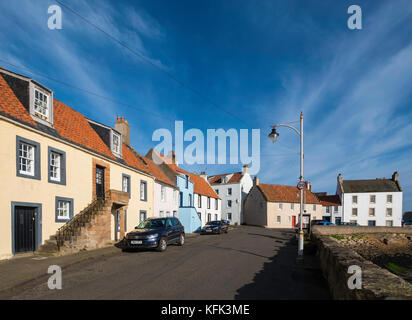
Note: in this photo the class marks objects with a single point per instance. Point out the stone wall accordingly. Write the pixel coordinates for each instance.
(326, 230)
(335, 259)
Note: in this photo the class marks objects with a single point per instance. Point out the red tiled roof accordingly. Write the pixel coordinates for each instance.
(332, 200)
(74, 127)
(12, 106)
(217, 179)
(281, 193)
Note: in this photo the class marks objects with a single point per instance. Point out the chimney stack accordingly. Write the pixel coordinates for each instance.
(245, 169)
(395, 176)
(255, 181)
(123, 127)
(340, 178)
(172, 157)
(203, 175)
(309, 186)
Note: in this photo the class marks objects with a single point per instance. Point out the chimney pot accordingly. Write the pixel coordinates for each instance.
(245, 169)
(255, 181)
(123, 127)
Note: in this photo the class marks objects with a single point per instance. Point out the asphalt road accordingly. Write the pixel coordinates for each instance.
(246, 263)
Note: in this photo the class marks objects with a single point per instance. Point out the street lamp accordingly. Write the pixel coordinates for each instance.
(273, 137)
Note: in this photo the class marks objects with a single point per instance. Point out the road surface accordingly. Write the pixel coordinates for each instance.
(247, 263)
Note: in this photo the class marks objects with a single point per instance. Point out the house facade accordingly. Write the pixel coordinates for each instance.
(198, 202)
(207, 202)
(374, 202)
(232, 188)
(278, 206)
(331, 208)
(55, 163)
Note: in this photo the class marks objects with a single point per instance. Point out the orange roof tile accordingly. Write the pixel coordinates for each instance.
(235, 178)
(11, 105)
(74, 127)
(281, 193)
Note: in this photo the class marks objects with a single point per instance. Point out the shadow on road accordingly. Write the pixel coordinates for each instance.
(284, 278)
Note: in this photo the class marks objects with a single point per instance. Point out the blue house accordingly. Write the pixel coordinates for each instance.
(188, 215)
(187, 212)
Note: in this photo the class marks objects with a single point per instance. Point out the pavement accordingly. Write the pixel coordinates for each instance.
(247, 263)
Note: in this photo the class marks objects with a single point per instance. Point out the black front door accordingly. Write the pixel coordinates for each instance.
(24, 229)
(100, 182)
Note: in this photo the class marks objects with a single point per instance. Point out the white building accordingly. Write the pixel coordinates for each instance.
(375, 202)
(232, 188)
(208, 205)
(331, 208)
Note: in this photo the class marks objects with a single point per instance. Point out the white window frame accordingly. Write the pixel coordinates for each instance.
(125, 184)
(354, 215)
(61, 209)
(280, 206)
(229, 201)
(55, 166)
(374, 212)
(387, 198)
(370, 199)
(37, 102)
(118, 150)
(353, 199)
(29, 158)
(229, 191)
(292, 206)
(387, 210)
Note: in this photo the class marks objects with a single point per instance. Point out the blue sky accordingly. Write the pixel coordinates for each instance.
(261, 61)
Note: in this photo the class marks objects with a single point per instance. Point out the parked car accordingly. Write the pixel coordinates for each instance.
(226, 222)
(322, 223)
(353, 224)
(155, 233)
(407, 224)
(216, 227)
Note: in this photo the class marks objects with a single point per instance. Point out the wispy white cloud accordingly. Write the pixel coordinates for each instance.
(354, 106)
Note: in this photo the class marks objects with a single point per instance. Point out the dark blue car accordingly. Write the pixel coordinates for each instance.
(155, 233)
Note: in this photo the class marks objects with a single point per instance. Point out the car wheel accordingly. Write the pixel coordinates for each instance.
(181, 240)
(162, 245)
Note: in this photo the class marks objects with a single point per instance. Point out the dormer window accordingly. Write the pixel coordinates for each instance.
(116, 143)
(41, 104)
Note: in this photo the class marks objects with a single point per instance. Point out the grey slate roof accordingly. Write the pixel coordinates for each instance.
(376, 185)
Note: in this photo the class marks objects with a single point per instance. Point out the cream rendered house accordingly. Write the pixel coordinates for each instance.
(55, 162)
(278, 206)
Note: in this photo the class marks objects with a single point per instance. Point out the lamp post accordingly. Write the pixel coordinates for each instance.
(273, 137)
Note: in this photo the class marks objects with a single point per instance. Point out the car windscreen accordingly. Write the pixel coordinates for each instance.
(152, 224)
(213, 223)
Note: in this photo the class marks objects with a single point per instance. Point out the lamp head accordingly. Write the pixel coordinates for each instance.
(273, 135)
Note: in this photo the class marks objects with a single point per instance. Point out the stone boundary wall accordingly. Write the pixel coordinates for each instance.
(335, 259)
(326, 230)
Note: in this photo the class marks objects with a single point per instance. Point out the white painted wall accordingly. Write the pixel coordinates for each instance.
(332, 213)
(239, 193)
(380, 206)
(216, 214)
(169, 204)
